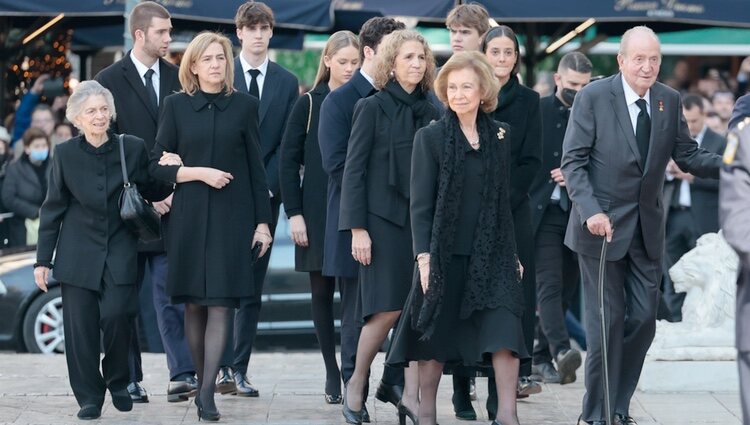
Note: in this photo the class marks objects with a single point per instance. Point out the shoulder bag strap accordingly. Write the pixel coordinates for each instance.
(125, 180)
(309, 113)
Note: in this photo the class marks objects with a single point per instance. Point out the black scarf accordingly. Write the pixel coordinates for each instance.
(492, 279)
(412, 112)
(507, 93)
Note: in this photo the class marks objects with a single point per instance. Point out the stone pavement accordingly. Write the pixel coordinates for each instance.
(34, 389)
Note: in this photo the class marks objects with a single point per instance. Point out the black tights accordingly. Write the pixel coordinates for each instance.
(322, 289)
(206, 329)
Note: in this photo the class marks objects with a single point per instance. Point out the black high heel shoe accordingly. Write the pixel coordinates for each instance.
(206, 415)
(350, 415)
(403, 412)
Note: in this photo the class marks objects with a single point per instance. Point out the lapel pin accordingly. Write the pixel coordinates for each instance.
(661, 106)
(501, 134)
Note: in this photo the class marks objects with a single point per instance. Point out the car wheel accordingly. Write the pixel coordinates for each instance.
(43, 324)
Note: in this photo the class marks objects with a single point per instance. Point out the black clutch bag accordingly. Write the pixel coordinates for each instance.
(137, 214)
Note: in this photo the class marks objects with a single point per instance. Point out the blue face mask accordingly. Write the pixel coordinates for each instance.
(38, 154)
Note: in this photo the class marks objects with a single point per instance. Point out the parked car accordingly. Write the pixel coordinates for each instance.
(31, 320)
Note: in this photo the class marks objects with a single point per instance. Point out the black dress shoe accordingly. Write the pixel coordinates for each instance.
(89, 412)
(352, 416)
(205, 414)
(389, 393)
(137, 393)
(225, 381)
(122, 400)
(621, 419)
(182, 389)
(243, 386)
(545, 372)
(568, 361)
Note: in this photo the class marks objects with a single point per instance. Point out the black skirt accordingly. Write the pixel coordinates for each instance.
(455, 341)
(208, 302)
(384, 284)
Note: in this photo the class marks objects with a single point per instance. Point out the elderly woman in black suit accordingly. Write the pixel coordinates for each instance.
(94, 253)
(26, 184)
(518, 106)
(466, 301)
(305, 199)
(375, 200)
(207, 145)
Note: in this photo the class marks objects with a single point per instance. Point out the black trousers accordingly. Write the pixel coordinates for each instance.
(244, 327)
(631, 295)
(681, 233)
(557, 278)
(88, 315)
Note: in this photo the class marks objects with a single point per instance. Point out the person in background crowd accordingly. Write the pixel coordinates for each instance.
(518, 106)
(614, 174)
(63, 132)
(139, 83)
(25, 187)
(220, 211)
(723, 104)
(375, 202)
(24, 117)
(304, 198)
(80, 218)
(333, 136)
(466, 300)
(557, 274)
(278, 90)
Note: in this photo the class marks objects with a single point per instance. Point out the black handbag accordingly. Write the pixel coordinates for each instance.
(137, 214)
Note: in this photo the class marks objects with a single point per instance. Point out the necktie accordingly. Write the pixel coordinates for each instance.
(150, 89)
(642, 129)
(253, 89)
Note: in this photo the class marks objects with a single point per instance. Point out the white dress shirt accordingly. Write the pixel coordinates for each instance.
(142, 69)
(630, 98)
(263, 68)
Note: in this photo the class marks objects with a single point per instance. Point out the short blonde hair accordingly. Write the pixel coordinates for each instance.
(386, 58)
(83, 91)
(477, 62)
(195, 49)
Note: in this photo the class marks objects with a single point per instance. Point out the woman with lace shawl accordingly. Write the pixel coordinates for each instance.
(466, 300)
(375, 203)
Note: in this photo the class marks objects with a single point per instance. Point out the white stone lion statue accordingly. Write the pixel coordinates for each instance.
(708, 273)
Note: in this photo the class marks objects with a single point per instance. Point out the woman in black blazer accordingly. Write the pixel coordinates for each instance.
(375, 200)
(304, 199)
(25, 185)
(466, 301)
(94, 253)
(207, 145)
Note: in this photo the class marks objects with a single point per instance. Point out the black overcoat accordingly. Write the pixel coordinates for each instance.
(81, 215)
(299, 148)
(210, 231)
(22, 191)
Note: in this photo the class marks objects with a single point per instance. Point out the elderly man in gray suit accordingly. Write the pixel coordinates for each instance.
(622, 132)
(734, 204)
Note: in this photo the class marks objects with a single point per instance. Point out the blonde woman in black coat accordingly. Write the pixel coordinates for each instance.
(207, 144)
(94, 253)
(304, 199)
(375, 201)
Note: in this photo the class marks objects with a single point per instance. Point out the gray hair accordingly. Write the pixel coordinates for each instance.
(638, 29)
(83, 91)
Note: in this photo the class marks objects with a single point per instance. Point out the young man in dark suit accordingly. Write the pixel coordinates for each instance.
(622, 132)
(333, 135)
(139, 83)
(277, 89)
(556, 265)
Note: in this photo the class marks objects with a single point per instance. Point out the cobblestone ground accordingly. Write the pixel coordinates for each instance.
(34, 390)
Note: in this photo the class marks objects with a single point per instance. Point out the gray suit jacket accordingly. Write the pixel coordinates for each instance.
(604, 171)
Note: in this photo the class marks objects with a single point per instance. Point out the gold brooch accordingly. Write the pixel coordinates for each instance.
(501, 134)
(661, 106)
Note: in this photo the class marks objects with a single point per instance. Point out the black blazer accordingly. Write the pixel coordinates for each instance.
(81, 215)
(307, 196)
(210, 231)
(554, 122)
(22, 191)
(525, 121)
(280, 92)
(333, 136)
(134, 113)
(365, 188)
(704, 193)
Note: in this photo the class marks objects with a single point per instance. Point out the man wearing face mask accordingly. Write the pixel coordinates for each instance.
(556, 265)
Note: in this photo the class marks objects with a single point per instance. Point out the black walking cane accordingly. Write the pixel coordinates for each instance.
(603, 323)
